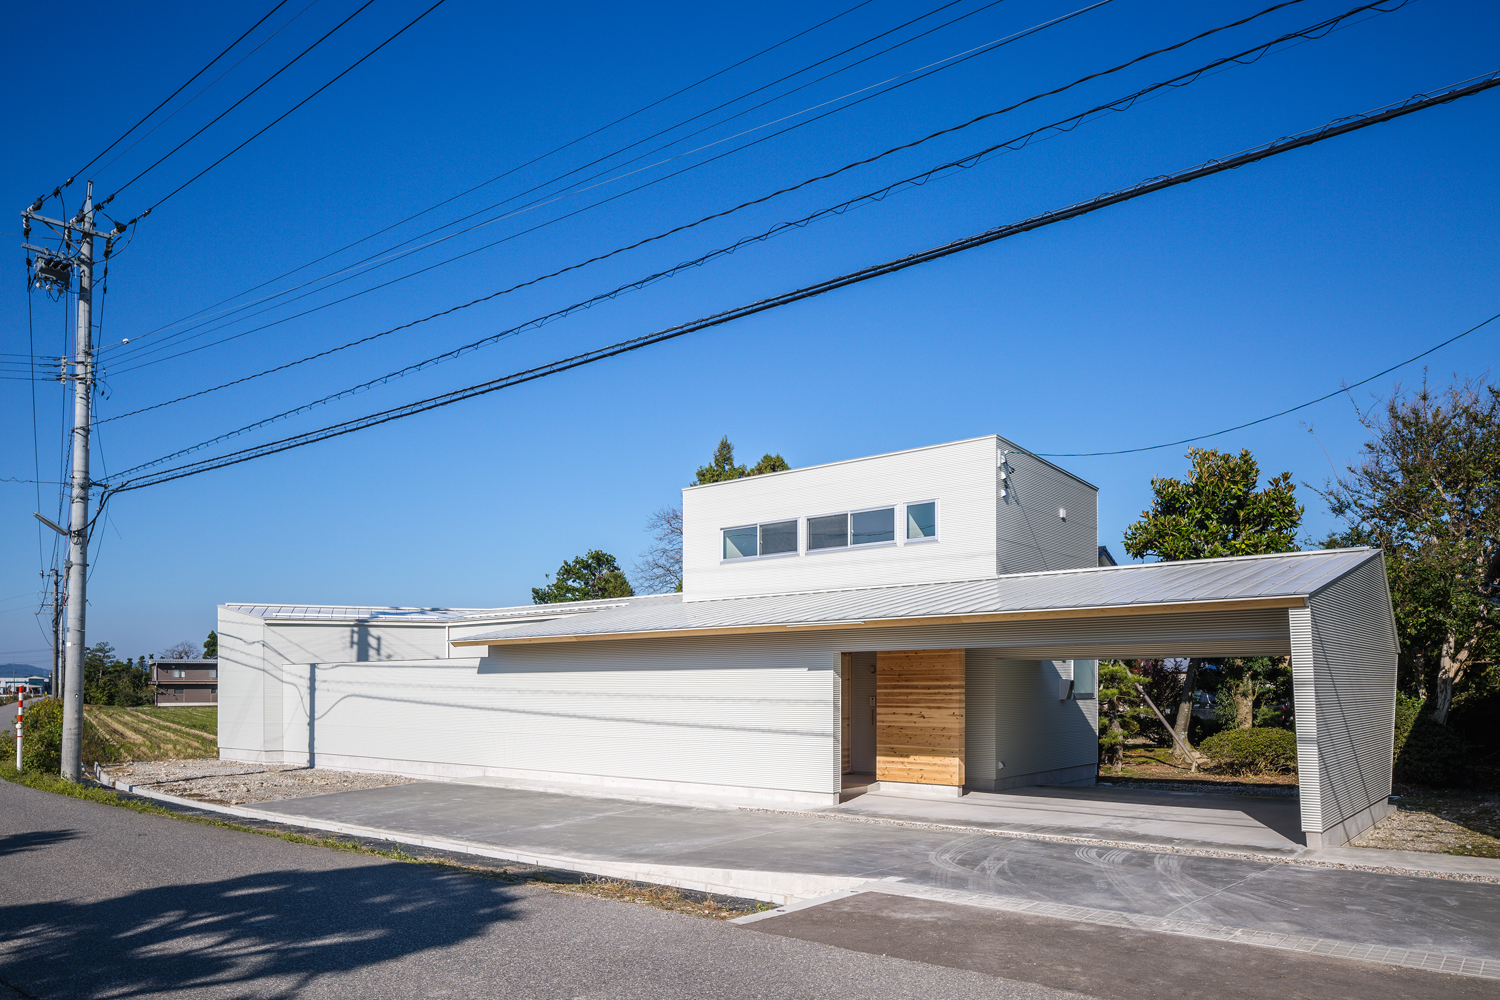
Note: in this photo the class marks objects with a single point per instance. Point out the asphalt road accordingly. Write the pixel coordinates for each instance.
(1109, 962)
(98, 900)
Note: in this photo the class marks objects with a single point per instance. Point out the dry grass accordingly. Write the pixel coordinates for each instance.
(1144, 762)
(661, 897)
(141, 733)
(1440, 821)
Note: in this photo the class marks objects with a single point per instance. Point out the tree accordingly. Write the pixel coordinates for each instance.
(183, 650)
(108, 680)
(1216, 512)
(591, 576)
(1120, 702)
(659, 568)
(1428, 493)
(722, 466)
(211, 646)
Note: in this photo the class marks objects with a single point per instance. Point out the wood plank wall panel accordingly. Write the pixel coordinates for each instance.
(919, 716)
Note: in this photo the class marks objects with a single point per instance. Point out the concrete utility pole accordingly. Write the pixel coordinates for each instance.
(54, 268)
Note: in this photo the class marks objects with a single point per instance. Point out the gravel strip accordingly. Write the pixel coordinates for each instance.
(234, 783)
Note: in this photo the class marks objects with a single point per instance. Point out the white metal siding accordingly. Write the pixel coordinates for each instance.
(980, 676)
(1353, 655)
(241, 681)
(959, 476)
(1030, 537)
(753, 714)
(1034, 730)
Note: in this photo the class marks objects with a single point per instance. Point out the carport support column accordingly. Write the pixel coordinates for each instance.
(1305, 708)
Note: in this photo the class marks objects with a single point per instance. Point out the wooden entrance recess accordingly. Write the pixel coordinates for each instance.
(919, 716)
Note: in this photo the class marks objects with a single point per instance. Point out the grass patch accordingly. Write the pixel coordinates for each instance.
(153, 733)
(659, 897)
(204, 718)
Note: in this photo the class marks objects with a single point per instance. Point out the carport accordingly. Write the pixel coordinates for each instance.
(1330, 611)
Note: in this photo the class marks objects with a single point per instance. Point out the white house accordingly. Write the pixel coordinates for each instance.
(929, 619)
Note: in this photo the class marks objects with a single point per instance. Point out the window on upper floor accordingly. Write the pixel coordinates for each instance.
(179, 673)
(921, 521)
(213, 672)
(768, 539)
(860, 527)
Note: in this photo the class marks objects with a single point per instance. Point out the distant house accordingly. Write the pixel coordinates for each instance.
(185, 682)
(1105, 558)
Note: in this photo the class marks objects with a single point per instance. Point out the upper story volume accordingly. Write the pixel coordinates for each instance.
(957, 511)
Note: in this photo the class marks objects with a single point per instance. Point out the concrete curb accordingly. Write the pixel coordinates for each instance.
(1410, 958)
(770, 887)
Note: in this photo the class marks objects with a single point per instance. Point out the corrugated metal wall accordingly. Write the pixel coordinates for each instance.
(1023, 723)
(744, 713)
(960, 476)
(241, 681)
(1030, 537)
(1344, 672)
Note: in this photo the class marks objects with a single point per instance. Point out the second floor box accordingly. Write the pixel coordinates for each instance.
(965, 510)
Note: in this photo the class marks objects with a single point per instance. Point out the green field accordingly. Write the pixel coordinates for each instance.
(157, 733)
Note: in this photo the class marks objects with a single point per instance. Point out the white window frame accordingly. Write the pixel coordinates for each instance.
(757, 526)
(937, 522)
(896, 513)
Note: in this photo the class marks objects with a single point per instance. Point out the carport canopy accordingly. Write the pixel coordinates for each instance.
(1329, 610)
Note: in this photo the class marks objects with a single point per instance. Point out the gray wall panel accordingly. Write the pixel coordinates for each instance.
(1354, 659)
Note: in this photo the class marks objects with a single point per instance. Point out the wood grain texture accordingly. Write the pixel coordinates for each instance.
(919, 716)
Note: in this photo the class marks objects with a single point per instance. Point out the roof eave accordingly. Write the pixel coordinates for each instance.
(980, 618)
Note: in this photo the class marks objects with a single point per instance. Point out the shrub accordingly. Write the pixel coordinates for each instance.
(1252, 751)
(41, 739)
(1201, 729)
(1432, 754)
(1407, 710)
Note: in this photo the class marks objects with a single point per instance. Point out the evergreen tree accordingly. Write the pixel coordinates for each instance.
(211, 646)
(591, 576)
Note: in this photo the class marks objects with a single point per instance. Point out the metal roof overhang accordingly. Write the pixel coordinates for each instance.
(1033, 614)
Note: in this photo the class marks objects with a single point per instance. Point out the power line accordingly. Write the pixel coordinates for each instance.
(1066, 124)
(1300, 406)
(174, 93)
(137, 353)
(559, 149)
(160, 201)
(1264, 151)
(286, 66)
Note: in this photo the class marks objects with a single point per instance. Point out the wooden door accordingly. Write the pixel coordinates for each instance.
(919, 716)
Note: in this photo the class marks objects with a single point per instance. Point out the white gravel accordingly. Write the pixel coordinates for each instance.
(233, 782)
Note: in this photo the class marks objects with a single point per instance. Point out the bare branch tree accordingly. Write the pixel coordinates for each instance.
(181, 651)
(659, 568)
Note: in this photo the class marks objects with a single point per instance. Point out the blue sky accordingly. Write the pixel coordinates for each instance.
(1176, 314)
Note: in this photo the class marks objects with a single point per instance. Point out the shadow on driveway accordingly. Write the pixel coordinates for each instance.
(263, 935)
(34, 840)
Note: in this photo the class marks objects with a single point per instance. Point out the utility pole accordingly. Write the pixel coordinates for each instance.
(54, 268)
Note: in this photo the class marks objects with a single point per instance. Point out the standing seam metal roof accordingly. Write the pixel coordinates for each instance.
(1286, 575)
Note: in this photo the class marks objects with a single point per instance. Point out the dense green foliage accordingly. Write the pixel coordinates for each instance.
(591, 576)
(1121, 710)
(41, 739)
(1428, 493)
(211, 646)
(108, 680)
(1217, 512)
(1252, 751)
(722, 466)
(1407, 711)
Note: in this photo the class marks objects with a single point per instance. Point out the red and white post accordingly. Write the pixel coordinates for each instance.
(20, 710)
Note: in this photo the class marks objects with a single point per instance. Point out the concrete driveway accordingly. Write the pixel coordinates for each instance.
(1182, 892)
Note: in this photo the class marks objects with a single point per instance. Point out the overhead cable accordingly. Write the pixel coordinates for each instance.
(1337, 127)
(79, 172)
(558, 149)
(286, 66)
(965, 162)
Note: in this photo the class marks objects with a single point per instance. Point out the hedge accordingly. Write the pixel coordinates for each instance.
(1252, 751)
